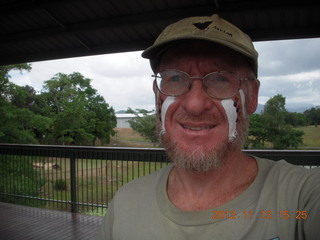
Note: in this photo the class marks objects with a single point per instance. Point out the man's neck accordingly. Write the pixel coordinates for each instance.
(200, 191)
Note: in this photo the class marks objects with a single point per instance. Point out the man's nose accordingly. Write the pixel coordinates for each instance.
(196, 100)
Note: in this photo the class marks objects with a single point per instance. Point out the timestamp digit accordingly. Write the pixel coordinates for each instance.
(247, 214)
(284, 214)
(233, 214)
(215, 215)
(266, 214)
(301, 215)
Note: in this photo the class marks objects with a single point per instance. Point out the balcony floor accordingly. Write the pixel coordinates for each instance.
(21, 222)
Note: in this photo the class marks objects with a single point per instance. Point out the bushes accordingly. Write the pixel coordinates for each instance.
(60, 185)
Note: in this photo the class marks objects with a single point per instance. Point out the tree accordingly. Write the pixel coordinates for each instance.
(145, 124)
(21, 96)
(102, 119)
(79, 114)
(313, 116)
(257, 132)
(18, 124)
(296, 119)
(278, 133)
(5, 76)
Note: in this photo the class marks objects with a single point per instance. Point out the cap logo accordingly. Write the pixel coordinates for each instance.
(202, 26)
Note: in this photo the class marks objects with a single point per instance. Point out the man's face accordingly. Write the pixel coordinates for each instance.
(197, 130)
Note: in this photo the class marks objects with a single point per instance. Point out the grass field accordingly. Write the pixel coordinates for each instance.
(127, 137)
(311, 138)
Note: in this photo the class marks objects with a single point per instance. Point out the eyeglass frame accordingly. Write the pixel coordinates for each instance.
(203, 79)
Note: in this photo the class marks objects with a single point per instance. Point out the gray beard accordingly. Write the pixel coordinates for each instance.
(199, 161)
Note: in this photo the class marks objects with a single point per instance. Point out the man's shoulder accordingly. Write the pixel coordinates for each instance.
(284, 166)
(285, 172)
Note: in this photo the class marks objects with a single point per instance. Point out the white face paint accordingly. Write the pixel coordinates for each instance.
(166, 104)
(231, 112)
(243, 100)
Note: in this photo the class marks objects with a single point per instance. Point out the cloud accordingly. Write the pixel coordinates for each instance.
(298, 88)
(288, 56)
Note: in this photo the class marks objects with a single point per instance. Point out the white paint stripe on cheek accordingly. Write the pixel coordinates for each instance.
(231, 112)
(243, 101)
(166, 104)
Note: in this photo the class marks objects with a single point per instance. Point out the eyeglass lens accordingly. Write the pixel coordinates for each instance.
(216, 84)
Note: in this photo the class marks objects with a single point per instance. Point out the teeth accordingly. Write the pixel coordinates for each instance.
(197, 128)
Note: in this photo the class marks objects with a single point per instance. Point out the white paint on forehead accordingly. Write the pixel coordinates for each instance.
(231, 112)
(166, 104)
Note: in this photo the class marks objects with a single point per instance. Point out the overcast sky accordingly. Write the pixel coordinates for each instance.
(287, 67)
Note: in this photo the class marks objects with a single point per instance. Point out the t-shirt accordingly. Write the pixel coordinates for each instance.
(282, 203)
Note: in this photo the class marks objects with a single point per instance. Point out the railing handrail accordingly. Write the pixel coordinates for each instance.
(140, 154)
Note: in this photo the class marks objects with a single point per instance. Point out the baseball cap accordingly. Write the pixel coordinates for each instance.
(212, 29)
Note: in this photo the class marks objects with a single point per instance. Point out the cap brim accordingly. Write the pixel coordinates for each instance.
(154, 52)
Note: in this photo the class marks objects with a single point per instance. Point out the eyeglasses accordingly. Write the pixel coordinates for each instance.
(220, 84)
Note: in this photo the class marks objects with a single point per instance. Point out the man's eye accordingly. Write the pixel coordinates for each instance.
(220, 79)
(175, 78)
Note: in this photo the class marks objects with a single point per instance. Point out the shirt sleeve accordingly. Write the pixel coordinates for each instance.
(310, 204)
(105, 231)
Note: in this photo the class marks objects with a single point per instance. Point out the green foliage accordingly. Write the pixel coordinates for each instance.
(20, 125)
(5, 76)
(79, 114)
(272, 126)
(17, 177)
(68, 111)
(257, 132)
(313, 116)
(296, 119)
(60, 185)
(22, 97)
(102, 119)
(145, 124)
(287, 137)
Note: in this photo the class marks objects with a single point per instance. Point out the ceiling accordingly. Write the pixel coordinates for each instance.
(35, 30)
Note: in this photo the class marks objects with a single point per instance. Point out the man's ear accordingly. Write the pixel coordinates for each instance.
(155, 89)
(253, 102)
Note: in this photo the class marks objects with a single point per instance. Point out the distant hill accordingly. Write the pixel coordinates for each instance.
(259, 108)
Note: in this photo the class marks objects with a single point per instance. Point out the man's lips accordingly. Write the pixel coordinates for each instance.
(197, 127)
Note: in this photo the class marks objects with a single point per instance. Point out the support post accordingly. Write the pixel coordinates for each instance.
(73, 179)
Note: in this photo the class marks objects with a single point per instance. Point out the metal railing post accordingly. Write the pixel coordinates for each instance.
(73, 183)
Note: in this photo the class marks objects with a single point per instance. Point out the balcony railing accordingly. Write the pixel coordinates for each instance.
(84, 179)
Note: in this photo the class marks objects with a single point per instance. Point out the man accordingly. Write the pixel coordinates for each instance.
(206, 87)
